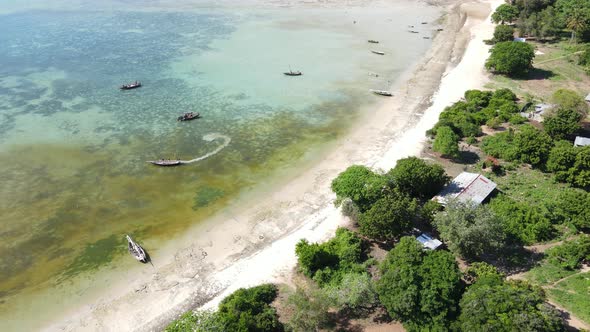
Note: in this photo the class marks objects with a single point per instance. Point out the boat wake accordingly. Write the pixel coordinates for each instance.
(210, 138)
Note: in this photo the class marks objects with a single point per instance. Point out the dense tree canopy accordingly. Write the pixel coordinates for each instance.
(522, 221)
(469, 231)
(503, 33)
(418, 178)
(562, 123)
(575, 14)
(420, 288)
(494, 305)
(511, 58)
(505, 13)
(446, 142)
(532, 145)
(360, 184)
(572, 206)
(389, 217)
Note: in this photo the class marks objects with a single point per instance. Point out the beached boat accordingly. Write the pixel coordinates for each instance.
(372, 41)
(381, 92)
(413, 31)
(378, 52)
(136, 250)
(293, 73)
(133, 85)
(165, 162)
(189, 116)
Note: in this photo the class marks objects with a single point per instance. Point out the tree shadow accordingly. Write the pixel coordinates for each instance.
(467, 158)
(516, 259)
(537, 74)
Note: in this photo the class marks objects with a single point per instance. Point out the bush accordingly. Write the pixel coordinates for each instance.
(571, 254)
(420, 288)
(196, 321)
(572, 206)
(463, 226)
(517, 119)
(503, 33)
(532, 145)
(579, 174)
(570, 100)
(356, 291)
(446, 142)
(562, 123)
(389, 217)
(310, 310)
(418, 178)
(249, 310)
(561, 158)
(511, 58)
(500, 146)
(360, 184)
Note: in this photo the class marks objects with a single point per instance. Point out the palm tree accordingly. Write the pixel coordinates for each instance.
(577, 21)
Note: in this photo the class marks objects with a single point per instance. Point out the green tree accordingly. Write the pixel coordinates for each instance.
(249, 310)
(575, 14)
(418, 178)
(310, 310)
(505, 13)
(579, 174)
(500, 146)
(511, 58)
(445, 142)
(389, 217)
(571, 254)
(360, 184)
(521, 220)
(561, 158)
(463, 227)
(572, 206)
(505, 307)
(420, 288)
(503, 33)
(356, 291)
(562, 123)
(532, 145)
(571, 100)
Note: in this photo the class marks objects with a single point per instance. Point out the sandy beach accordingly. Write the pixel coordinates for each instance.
(253, 242)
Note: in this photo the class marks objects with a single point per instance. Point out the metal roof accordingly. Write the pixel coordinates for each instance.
(581, 141)
(467, 187)
(588, 97)
(429, 242)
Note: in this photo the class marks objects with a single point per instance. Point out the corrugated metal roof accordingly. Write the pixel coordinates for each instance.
(581, 141)
(588, 97)
(429, 242)
(467, 187)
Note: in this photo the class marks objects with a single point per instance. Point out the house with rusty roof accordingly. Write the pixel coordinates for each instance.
(467, 187)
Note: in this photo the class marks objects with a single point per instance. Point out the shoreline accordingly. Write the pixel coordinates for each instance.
(230, 254)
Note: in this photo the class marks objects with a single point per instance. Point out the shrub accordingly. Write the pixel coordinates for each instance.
(522, 221)
(561, 158)
(356, 291)
(570, 100)
(360, 184)
(511, 58)
(517, 119)
(579, 174)
(503, 33)
(446, 142)
(532, 145)
(310, 310)
(196, 321)
(418, 178)
(562, 123)
(572, 206)
(571, 254)
(500, 146)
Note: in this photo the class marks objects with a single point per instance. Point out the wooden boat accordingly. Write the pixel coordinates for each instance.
(378, 52)
(293, 73)
(381, 92)
(165, 162)
(425, 37)
(423, 22)
(413, 31)
(188, 116)
(133, 85)
(372, 41)
(136, 250)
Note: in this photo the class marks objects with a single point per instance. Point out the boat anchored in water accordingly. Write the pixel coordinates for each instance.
(130, 86)
(381, 92)
(136, 250)
(378, 52)
(373, 41)
(189, 116)
(293, 73)
(165, 162)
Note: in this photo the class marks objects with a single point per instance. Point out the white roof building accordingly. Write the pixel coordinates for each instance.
(429, 242)
(581, 141)
(588, 98)
(467, 187)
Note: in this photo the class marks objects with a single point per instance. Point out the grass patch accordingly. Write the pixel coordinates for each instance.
(547, 274)
(574, 295)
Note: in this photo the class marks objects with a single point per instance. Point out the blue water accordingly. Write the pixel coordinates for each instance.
(73, 146)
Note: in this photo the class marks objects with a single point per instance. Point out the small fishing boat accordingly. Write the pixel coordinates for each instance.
(136, 250)
(381, 92)
(165, 162)
(378, 52)
(413, 31)
(293, 73)
(440, 29)
(372, 41)
(133, 85)
(189, 116)
(425, 37)
(423, 22)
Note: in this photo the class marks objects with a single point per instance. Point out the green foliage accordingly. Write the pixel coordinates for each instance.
(483, 272)
(389, 217)
(572, 294)
(356, 291)
(532, 145)
(562, 123)
(310, 310)
(500, 146)
(571, 254)
(572, 206)
(511, 58)
(470, 231)
(522, 221)
(420, 288)
(570, 100)
(579, 174)
(505, 13)
(543, 24)
(517, 119)
(507, 306)
(446, 142)
(196, 321)
(326, 263)
(360, 184)
(561, 158)
(418, 178)
(576, 15)
(503, 33)
(248, 309)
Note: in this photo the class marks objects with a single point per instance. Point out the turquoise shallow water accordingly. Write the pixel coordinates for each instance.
(73, 147)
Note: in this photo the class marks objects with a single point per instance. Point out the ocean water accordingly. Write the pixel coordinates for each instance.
(73, 147)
